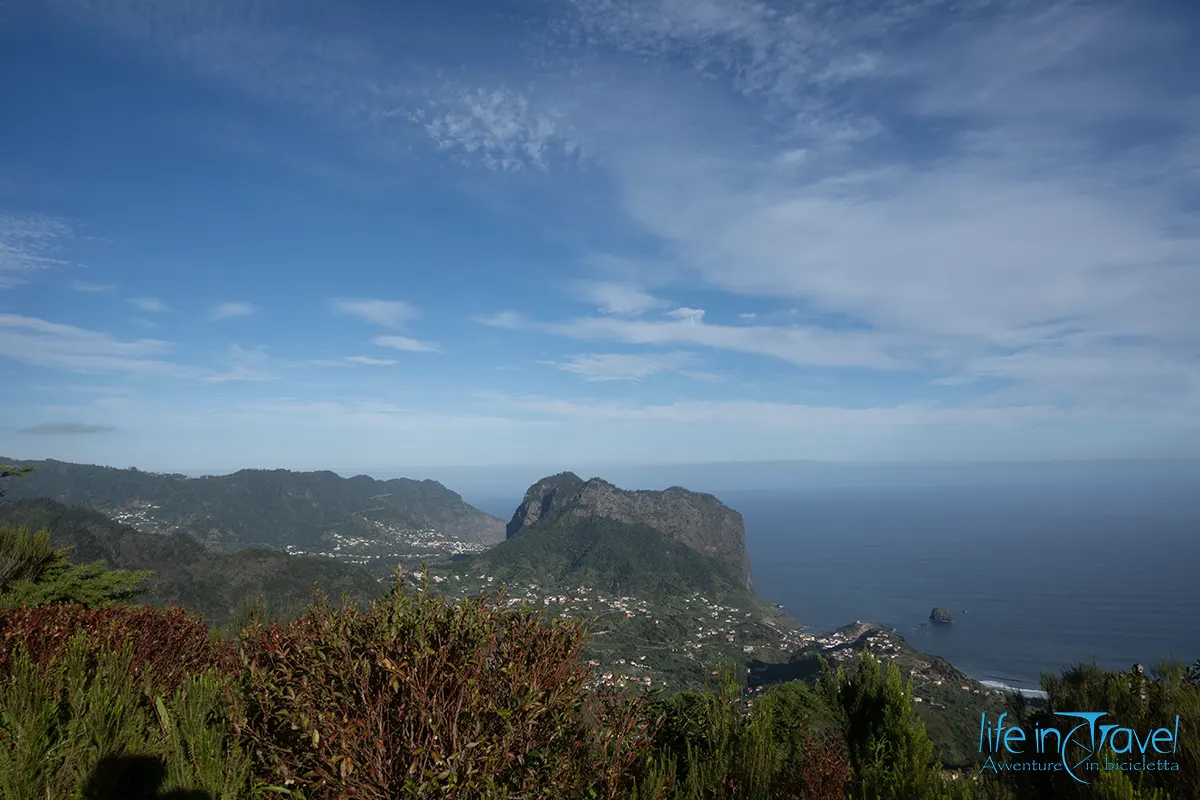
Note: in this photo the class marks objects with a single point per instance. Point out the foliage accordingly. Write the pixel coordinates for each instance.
(888, 747)
(185, 573)
(420, 697)
(33, 573)
(1134, 699)
(262, 507)
(713, 745)
(11, 471)
(62, 719)
(167, 645)
(417, 697)
(610, 556)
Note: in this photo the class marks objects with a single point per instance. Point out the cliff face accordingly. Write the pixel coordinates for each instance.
(699, 521)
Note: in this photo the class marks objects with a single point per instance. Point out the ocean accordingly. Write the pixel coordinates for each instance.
(1039, 576)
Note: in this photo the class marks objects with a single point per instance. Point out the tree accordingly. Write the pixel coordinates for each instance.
(11, 471)
(33, 573)
(888, 746)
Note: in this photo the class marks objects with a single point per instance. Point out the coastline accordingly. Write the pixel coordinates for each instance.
(1000, 686)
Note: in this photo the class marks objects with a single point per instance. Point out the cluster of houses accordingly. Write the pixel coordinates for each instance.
(139, 516)
(718, 629)
(393, 545)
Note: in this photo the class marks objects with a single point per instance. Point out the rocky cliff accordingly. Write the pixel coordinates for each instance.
(700, 521)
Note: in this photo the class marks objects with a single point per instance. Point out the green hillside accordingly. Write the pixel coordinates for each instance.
(187, 574)
(309, 511)
(616, 557)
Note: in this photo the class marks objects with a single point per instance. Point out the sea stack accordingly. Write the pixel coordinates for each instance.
(941, 615)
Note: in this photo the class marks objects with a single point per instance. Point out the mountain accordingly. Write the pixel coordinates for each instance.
(661, 577)
(698, 521)
(185, 572)
(620, 558)
(310, 512)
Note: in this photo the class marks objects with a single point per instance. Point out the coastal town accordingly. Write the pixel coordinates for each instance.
(686, 641)
(647, 641)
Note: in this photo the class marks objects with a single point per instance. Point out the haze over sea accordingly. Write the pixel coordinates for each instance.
(1056, 569)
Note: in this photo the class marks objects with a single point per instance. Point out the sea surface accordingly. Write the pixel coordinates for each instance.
(1038, 576)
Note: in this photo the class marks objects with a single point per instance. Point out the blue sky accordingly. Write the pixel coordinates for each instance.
(558, 232)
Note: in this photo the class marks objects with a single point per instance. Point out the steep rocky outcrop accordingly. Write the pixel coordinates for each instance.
(700, 521)
(941, 615)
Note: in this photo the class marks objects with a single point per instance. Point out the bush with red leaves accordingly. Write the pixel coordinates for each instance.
(167, 644)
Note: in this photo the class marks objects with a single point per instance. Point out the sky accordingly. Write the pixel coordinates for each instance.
(308, 234)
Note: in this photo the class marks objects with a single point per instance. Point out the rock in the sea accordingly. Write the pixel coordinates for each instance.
(941, 615)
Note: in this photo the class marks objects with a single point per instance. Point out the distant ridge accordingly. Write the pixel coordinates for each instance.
(262, 508)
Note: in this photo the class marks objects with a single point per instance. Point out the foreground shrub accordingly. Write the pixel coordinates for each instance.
(419, 697)
(889, 750)
(713, 746)
(1133, 699)
(167, 645)
(66, 721)
(34, 573)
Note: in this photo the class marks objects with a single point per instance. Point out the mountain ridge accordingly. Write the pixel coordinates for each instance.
(311, 511)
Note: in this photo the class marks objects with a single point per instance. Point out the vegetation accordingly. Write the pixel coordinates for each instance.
(617, 557)
(10, 471)
(419, 696)
(422, 696)
(260, 508)
(183, 572)
(33, 572)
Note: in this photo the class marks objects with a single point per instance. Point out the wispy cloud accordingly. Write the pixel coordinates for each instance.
(771, 415)
(626, 367)
(50, 344)
(692, 316)
(405, 343)
(231, 309)
(151, 305)
(619, 298)
(66, 429)
(29, 242)
(91, 288)
(809, 346)
(386, 313)
(999, 193)
(500, 127)
(509, 320)
(245, 364)
(369, 361)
